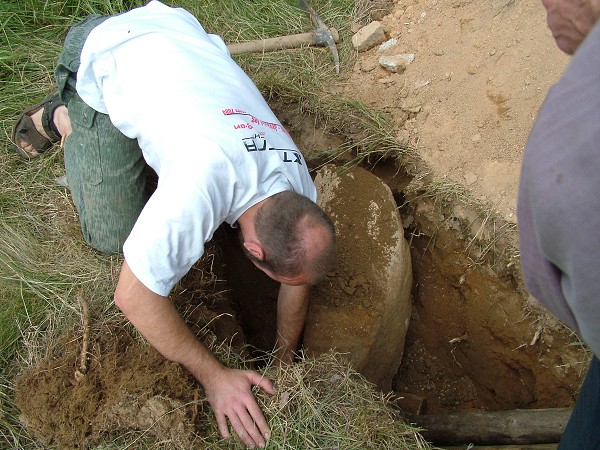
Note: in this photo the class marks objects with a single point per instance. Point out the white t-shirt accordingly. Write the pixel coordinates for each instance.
(202, 125)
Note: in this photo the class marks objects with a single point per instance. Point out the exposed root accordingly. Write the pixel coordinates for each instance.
(195, 405)
(85, 319)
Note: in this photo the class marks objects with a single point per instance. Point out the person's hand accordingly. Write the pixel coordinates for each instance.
(571, 20)
(230, 395)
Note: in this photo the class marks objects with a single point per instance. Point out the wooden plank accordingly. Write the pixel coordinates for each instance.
(519, 426)
(503, 447)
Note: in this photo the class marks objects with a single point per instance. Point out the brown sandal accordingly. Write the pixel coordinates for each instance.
(25, 131)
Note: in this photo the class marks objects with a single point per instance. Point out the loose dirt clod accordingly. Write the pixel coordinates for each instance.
(128, 386)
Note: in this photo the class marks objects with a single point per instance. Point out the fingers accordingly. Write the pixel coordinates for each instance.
(262, 382)
(231, 398)
(222, 424)
(247, 430)
(258, 422)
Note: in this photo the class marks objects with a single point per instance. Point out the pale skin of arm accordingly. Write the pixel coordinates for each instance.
(227, 390)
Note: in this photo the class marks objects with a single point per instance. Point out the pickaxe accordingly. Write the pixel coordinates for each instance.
(321, 36)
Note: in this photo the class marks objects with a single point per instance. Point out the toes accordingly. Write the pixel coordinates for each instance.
(28, 148)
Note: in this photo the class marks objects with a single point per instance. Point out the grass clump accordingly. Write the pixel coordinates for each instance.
(323, 403)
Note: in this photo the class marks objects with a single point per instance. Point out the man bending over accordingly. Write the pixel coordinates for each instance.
(151, 88)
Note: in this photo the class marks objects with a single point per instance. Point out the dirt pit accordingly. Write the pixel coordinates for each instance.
(474, 343)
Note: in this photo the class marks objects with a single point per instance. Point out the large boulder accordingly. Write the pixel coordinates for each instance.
(363, 307)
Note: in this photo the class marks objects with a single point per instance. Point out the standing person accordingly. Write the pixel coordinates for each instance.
(151, 87)
(559, 202)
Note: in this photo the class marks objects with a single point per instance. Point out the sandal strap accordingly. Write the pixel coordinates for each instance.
(25, 130)
(48, 118)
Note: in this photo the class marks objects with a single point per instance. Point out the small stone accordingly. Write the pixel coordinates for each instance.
(470, 178)
(396, 63)
(390, 43)
(403, 137)
(387, 80)
(410, 108)
(368, 36)
(476, 137)
(350, 290)
(422, 83)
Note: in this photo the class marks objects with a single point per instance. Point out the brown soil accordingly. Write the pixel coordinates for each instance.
(466, 103)
(475, 341)
(128, 385)
(480, 73)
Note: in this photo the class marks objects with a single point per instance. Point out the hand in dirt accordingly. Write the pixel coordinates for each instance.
(571, 21)
(230, 395)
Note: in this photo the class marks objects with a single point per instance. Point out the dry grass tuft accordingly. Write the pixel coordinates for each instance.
(323, 403)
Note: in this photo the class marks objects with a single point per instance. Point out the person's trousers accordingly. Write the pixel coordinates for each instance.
(583, 429)
(106, 171)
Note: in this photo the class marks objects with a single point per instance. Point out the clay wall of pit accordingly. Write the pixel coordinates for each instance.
(476, 340)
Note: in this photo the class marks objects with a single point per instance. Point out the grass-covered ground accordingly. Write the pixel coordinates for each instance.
(44, 263)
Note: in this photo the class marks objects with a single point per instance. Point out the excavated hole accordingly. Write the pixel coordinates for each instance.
(475, 340)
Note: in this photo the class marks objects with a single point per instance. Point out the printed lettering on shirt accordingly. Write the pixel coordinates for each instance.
(232, 111)
(257, 143)
(253, 119)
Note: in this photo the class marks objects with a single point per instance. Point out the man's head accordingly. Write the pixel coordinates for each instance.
(571, 20)
(296, 239)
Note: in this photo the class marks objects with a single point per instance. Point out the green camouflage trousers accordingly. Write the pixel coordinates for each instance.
(106, 171)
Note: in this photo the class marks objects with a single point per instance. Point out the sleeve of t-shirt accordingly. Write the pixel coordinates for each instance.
(169, 236)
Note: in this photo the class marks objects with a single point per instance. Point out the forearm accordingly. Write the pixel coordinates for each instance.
(292, 308)
(156, 318)
(228, 391)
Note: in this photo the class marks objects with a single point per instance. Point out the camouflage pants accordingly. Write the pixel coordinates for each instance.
(106, 171)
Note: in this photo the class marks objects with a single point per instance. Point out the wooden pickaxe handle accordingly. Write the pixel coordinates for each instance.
(279, 43)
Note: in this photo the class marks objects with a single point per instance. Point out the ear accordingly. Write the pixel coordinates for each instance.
(255, 250)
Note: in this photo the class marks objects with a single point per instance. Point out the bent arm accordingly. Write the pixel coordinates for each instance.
(292, 308)
(228, 391)
(155, 317)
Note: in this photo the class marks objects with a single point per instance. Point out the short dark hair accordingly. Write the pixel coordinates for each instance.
(280, 227)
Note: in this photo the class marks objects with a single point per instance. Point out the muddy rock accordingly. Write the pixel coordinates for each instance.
(368, 37)
(396, 63)
(363, 307)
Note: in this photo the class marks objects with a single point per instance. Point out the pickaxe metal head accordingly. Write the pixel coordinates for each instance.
(322, 32)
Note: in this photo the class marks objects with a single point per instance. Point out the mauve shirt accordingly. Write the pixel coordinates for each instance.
(559, 197)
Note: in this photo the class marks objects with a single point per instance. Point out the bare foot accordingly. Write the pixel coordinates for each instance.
(61, 120)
